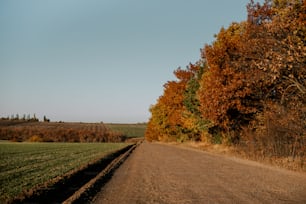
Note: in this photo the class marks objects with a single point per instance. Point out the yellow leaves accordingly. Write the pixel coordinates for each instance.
(189, 121)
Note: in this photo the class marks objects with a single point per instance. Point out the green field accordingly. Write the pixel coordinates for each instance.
(25, 165)
(129, 130)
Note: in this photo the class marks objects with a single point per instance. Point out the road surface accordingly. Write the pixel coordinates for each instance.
(158, 173)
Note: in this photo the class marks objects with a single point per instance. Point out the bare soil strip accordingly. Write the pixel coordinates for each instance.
(71, 183)
(91, 188)
(157, 173)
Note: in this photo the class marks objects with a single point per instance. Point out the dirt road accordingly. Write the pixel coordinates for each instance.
(157, 173)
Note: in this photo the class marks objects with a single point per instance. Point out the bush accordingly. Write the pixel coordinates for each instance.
(35, 138)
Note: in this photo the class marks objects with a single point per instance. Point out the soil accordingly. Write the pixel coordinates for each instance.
(158, 173)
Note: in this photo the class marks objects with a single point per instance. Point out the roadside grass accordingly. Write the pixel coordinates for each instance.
(23, 166)
(128, 130)
(298, 164)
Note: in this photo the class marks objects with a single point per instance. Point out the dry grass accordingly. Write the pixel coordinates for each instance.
(289, 163)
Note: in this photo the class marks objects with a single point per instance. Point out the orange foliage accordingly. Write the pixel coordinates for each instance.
(226, 89)
(167, 122)
(251, 79)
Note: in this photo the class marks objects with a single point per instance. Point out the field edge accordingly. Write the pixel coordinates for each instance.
(61, 187)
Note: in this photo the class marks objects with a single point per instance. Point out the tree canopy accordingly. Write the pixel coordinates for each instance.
(252, 77)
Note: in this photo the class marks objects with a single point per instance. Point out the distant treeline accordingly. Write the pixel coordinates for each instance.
(23, 118)
(247, 90)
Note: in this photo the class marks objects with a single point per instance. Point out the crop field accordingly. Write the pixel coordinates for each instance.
(23, 131)
(27, 165)
(128, 130)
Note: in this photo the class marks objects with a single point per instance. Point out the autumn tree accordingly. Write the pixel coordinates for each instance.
(226, 93)
(250, 79)
(157, 124)
(193, 121)
(167, 121)
(276, 41)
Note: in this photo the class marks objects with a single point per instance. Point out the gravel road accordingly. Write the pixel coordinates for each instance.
(158, 173)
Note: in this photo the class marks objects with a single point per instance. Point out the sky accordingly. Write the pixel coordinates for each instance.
(100, 60)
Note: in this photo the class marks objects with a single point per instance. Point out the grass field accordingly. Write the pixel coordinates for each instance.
(25, 165)
(129, 130)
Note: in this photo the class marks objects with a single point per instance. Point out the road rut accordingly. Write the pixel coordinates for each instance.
(158, 173)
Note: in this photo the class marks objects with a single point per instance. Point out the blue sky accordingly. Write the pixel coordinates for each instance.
(100, 60)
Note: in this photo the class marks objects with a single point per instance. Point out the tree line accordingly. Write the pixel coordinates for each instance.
(248, 89)
(24, 118)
